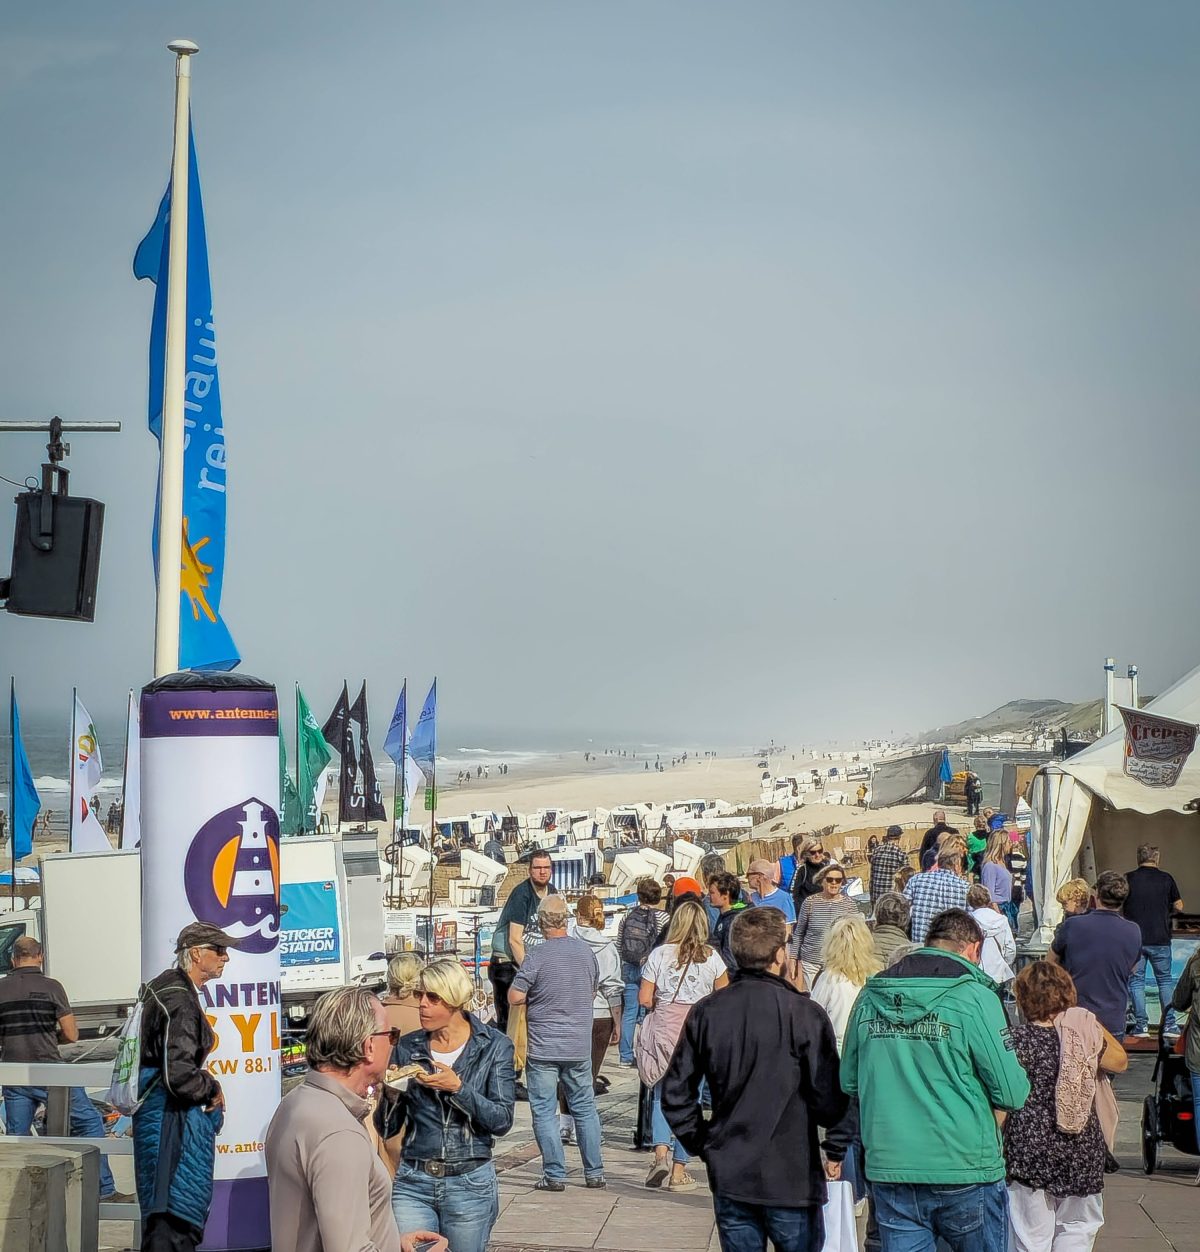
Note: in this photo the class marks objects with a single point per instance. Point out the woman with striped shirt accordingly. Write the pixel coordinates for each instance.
(817, 915)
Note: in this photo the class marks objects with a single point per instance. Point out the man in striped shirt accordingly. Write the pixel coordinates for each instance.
(930, 893)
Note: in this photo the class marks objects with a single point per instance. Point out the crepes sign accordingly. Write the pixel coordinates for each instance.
(1156, 748)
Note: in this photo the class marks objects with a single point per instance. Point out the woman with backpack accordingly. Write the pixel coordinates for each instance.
(678, 974)
(635, 938)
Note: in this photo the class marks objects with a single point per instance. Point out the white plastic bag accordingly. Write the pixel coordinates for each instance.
(841, 1234)
(123, 1089)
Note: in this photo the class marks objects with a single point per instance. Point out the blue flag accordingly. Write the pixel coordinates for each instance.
(204, 639)
(24, 803)
(423, 745)
(397, 735)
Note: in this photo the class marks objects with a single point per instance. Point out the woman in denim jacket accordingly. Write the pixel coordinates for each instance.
(449, 1115)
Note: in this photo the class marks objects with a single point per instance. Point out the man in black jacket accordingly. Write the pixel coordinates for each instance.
(771, 1062)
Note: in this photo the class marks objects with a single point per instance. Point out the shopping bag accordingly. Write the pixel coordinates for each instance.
(841, 1234)
(123, 1088)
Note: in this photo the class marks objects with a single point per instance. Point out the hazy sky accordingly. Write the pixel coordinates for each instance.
(656, 369)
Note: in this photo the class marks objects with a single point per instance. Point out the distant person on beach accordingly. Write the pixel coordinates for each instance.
(35, 1015)
(973, 790)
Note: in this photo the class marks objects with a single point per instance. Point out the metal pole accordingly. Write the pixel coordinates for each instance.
(303, 805)
(125, 773)
(103, 428)
(71, 773)
(432, 823)
(12, 791)
(170, 485)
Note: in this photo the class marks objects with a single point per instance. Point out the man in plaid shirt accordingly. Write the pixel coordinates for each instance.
(886, 862)
(942, 887)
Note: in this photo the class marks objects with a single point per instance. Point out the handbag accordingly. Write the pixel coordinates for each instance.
(658, 1035)
(841, 1233)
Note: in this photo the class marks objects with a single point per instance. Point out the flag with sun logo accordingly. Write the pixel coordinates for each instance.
(204, 639)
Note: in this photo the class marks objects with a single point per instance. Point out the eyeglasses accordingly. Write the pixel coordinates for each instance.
(393, 1035)
(430, 996)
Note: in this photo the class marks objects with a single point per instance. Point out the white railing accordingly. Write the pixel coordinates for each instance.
(58, 1079)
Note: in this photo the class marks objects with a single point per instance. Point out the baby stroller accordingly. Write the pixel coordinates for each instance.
(1168, 1115)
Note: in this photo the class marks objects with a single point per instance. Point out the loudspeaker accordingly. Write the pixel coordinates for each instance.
(56, 556)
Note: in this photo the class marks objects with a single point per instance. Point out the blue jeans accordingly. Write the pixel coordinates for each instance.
(632, 1012)
(1159, 956)
(463, 1209)
(660, 1132)
(746, 1227)
(542, 1079)
(20, 1104)
(969, 1218)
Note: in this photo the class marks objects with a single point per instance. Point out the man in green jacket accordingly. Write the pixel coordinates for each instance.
(927, 1054)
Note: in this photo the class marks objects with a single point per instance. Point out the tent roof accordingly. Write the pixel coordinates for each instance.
(1099, 767)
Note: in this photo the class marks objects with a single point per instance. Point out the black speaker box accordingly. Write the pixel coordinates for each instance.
(58, 580)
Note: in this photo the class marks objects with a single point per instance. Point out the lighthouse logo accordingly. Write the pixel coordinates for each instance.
(231, 874)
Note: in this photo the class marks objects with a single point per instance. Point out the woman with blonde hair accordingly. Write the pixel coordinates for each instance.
(400, 1003)
(811, 859)
(1075, 896)
(817, 915)
(848, 959)
(450, 1113)
(995, 875)
(675, 976)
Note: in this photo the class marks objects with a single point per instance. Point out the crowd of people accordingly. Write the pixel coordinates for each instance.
(782, 1034)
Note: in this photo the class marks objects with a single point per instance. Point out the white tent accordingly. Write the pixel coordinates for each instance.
(1087, 807)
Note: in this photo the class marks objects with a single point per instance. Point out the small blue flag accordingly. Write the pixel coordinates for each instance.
(397, 734)
(204, 639)
(24, 803)
(423, 745)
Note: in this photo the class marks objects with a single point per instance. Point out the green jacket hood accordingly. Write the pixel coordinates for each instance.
(903, 1001)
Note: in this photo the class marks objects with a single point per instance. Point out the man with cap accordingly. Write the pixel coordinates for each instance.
(182, 1102)
(34, 1016)
(557, 983)
(888, 859)
(763, 891)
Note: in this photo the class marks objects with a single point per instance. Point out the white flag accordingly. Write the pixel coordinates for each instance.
(87, 835)
(131, 802)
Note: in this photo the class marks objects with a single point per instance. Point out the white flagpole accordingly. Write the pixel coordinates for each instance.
(71, 768)
(170, 487)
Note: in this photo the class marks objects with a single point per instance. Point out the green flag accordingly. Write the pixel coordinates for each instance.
(290, 817)
(314, 756)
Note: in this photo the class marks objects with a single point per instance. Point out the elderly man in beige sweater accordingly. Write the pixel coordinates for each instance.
(329, 1191)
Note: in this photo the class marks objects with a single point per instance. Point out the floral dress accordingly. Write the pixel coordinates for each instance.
(1036, 1152)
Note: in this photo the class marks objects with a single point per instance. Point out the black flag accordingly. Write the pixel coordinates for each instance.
(340, 737)
(368, 803)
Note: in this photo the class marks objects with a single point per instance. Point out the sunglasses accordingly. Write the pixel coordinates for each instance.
(218, 948)
(430, 996)
(816, 852)
(830, 878)
(393, 1035)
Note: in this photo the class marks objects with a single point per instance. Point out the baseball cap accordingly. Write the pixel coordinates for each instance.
(686, 886)
(204, 935)
(761, 867)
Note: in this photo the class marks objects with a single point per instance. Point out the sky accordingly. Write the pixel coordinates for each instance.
(688, 371)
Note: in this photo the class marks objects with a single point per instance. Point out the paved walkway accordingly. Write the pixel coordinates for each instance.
(1142, 1214)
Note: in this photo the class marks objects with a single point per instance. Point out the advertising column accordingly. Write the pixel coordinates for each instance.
(210, 853)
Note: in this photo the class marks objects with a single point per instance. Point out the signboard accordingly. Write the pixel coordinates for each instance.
(210, 852)
(309, 933)
(1156, 748)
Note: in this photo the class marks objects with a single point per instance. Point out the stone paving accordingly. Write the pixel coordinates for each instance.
(1142, 1214)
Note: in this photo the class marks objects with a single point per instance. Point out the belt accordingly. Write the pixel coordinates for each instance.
(444, 1169)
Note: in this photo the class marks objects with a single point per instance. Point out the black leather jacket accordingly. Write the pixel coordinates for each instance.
(458, 1127)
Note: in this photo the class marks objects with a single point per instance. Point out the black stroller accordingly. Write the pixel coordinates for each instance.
(1168, 1115)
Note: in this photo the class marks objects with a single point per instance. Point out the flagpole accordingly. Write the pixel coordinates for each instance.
(124, 774)
(170, 484)
(303, 807)
(71, 772)
(13, 791)
(432, 822)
